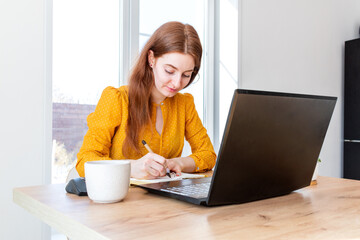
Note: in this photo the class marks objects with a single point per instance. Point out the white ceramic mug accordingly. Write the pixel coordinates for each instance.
(107, 181)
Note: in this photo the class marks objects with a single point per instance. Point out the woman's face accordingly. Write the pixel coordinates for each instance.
(172, 72)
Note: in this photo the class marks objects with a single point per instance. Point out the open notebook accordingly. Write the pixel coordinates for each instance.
(135, 181)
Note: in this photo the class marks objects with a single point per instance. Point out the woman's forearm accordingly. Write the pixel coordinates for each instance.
(187, 164)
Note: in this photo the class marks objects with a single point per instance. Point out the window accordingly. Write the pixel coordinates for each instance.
(95, 50)
(85, 61)
(228, 59)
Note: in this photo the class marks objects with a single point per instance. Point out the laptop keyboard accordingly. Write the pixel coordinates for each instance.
(198, 190)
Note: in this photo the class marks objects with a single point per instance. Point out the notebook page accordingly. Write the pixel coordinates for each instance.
(135, 181)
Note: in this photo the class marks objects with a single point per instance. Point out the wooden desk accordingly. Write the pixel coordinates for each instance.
(328, 210)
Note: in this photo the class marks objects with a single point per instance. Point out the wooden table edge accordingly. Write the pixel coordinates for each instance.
(72, 229)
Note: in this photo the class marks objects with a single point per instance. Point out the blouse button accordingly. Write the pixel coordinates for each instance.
(162, 103)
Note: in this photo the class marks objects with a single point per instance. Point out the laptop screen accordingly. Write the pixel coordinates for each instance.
(270, 145)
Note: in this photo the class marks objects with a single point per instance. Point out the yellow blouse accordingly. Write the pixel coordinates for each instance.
(107, 125)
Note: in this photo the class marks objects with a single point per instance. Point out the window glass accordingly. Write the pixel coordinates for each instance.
(228, 62)
(85, 61)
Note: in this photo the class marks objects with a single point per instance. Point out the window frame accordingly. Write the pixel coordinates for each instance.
(129, 37)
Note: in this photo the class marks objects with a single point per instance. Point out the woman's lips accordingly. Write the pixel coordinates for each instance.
(171, 89)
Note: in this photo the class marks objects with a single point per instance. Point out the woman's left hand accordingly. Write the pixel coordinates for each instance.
(181, 164)
(174, 165)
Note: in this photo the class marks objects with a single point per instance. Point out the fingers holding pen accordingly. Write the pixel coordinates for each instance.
(160, 160)
(154, 164)
(149, 166)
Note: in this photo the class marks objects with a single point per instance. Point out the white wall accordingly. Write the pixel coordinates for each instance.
(22, 107)
(297, 46)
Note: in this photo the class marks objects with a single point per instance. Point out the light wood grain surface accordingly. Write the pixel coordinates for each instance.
(328, 210)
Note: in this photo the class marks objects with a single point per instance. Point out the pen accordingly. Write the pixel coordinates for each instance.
(149, 149)
(147, 146)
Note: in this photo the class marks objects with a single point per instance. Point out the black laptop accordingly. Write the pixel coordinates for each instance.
(270, 147)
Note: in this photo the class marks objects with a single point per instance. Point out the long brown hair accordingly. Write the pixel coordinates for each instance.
(170, 37)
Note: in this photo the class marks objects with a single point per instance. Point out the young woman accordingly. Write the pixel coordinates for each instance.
(151, 108)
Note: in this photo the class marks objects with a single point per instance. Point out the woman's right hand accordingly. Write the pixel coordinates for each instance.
(150, 166)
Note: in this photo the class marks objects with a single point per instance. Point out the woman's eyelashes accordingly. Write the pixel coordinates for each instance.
(173, 72)
(169, 72)
(186, 75)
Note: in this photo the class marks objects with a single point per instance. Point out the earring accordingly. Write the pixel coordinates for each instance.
(151, 65)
